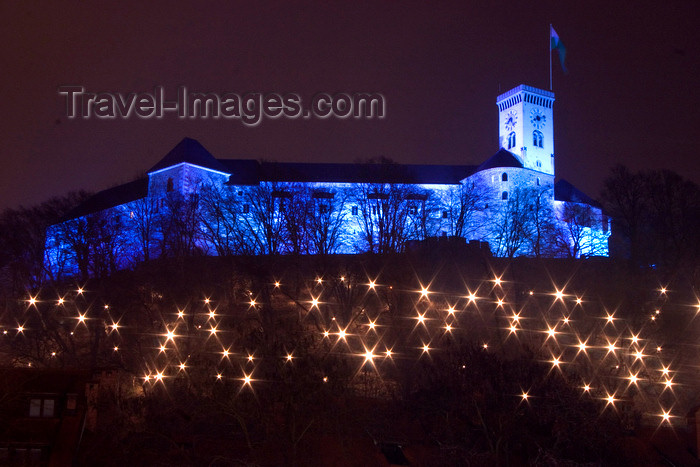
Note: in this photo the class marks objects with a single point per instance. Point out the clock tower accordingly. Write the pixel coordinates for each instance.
(525, 126)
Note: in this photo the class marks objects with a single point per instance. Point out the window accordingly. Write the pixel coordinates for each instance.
(539, 164)
(170, 186)
(504, 195)
(504, 177)
(412, 210)
(444, 214)
(246, 208)
(41, 408)
(354, 210)
(323, 208)
(511, 140)
(537, 139)
(538, 181)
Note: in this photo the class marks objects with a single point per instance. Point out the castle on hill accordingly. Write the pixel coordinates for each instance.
(194, 203)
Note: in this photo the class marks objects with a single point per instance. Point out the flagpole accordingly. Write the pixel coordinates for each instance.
(550, 56)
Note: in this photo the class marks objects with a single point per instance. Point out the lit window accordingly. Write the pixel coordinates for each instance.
(504, 195)
(41, 408)
(504, 177)
(511, 140)
(537, 139)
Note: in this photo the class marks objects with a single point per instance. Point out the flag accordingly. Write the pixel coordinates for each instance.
(556, 44)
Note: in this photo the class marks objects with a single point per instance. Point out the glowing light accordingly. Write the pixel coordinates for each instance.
(524, 395)
(371, 285)
(218, 376)
(551, 332)
(342, 278)
(658, 349)
(421, 318)
(665, 416)
(147, 377)
(610, 318)
(513, 329)
(253, 303)
(53, 354)
(180, 314)
(162, 348)
(326, 333)
(499, 302)
(325, 379)
(565, 320)
(206, 300)
(578, 301)
(582, 346)
(653, 317)
(114, 326)
(246, 379)
(32, 300)
(319, 280)
(662, 290)
(369, 355)
(532, 293)
(371, 325)
(515, 317)
(559, 294)
(80, 291)
(611, 347)
(388, 353)
(290, 357)
(497, 281)
(638, 355)
(669, 383)
(314, 302)
(182, 366)
(657, 312)
(485, 345)
(586, 388)
(451, 310)
(60, 301)
(170, 336)
(212, 315)
(633, 379)
(81, 318)
(250, 358)
(116, 348)
(213, 330)
(448, 328)
(471, 297)
(424, 292)
(555, 362)
(634, 338)
(226, 353)
(665, 370)
(277, 284)
(342, 334)
(426, 348)
(610, 400)
(159, 376)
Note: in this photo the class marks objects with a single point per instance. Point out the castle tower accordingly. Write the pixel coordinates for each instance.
(525, 126)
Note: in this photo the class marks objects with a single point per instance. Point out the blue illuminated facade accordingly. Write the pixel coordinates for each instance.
(192, 203)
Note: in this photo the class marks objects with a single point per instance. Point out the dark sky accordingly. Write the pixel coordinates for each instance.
(630, 96)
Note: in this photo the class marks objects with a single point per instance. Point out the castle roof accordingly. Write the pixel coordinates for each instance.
(565, 191)
(192, 152)
(110, 198)
(502, 158)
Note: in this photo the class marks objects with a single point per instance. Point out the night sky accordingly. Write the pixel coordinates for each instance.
(631, 94)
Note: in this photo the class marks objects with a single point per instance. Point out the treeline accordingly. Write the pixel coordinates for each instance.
(656, 218)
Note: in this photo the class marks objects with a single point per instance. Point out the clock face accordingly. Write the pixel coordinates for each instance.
(537, 118)
(511, 120)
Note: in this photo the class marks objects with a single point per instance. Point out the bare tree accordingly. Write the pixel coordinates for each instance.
(463, 203)
(512, 223)
(326, 224)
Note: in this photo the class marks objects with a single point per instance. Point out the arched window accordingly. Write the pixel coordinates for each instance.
(511, 140)
(537, 139)
(170, 186)
(538, 181)
(504, 177)
(504, 195)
